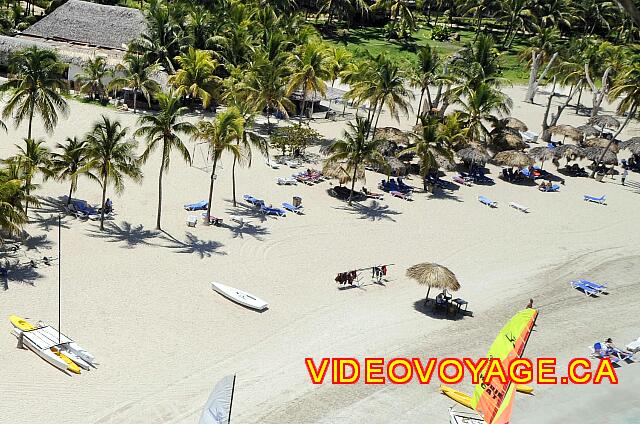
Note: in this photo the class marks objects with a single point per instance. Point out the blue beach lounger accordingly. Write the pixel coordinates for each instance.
(272, 211)
(594, 199)
(487, 201)
(595, 286)
(291, 208)
(253, 200)
(198, 206)
(588, 290)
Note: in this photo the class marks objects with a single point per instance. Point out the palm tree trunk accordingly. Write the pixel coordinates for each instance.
(353, 183)
(233, 177)
(104, 196)
(630, 113)
(419, 105)
(377, 118)
(70, 193)
(135, 100)
(164, 158)
(213, 178)
(26, 201)
(304, 103)
(31, 112)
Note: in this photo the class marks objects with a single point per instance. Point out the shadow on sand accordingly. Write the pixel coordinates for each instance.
(194, 245)
(375, 211)
(430, 310)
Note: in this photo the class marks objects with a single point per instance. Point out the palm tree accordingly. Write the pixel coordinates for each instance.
(35, 87)
(221, 136)
(310, 70)
(196, 77)
(478, 105)
(165, 129)
(430, 143)
(111, 157)
(34, 159)
(90, 80)
(67, 164)
(390, 89)
(12, 217)
(356, 150)
(425, 74)
(137, 76)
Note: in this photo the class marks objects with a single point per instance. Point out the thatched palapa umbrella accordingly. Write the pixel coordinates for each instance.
(594, 153)
(391, 134)
(395, 165)
(514, 123)
(508, 141)
(588, 130)
(633, 145)
(433, 275)
(513, 158)
(604, 121)
(566, 131)
(601, 142)
(541, 153)
(338, 171)
(472, 155)
(569, 151)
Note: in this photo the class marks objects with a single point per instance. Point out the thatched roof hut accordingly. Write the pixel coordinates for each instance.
(594, 153)
(601, 142)
(90, 23)
(513, 158)
(472, 155)
(604, 121)
(433, 275)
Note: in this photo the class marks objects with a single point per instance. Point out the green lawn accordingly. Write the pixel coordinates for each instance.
(373, 40)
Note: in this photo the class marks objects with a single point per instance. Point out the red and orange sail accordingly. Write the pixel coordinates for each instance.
(494, 400)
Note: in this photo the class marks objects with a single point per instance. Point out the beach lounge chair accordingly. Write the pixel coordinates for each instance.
(519, 207)
(287, 181)
(272, 164)
(272, 211)
(601, 200)
(81, 209)
(292, 164)
(371, 194)
(634, 346)
(291, 208)
(400, 195)
(212, 220)
(586, 289)
(486, 201)
(600, 351)
(252, 200)
(601, 288)
(192, 220)
(198, 206)
(404, 187)
(461, 180)
(553, 188)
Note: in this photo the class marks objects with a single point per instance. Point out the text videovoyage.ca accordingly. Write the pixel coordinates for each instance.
(455, 370)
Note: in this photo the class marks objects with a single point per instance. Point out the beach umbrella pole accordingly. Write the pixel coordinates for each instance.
(426, 299)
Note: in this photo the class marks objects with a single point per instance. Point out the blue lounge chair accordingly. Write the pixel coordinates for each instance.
(602, 288)
(198, 206)
(600, 351)
(404, 187)
(586, 289)
(291, 208)
(601, 200)
(81, 209)
(272, 211)
(553, 188)
(253, 200)
(487, 201)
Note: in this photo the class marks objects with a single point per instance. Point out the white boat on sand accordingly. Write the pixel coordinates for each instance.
(241, 297)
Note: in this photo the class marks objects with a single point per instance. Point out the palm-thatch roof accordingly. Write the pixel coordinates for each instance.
(594, 153)
(541, 153)
(604, 121)
(566, 131)
(391, 134)
(514, 123)
(70, 55)
(588, 130)
(90, 23)
(633, 145)
(473, 155)
(331, 93)
(338, 171)
(513, 158)
(601, 142)
(508, 141)
(395, 165)
(569, 151)
(434, 275)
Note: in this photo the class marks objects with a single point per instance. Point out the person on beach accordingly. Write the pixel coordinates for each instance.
(624, 175)
(612, 349)
(530, 304)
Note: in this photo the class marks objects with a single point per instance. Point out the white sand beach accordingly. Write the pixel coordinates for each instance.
(142, 303)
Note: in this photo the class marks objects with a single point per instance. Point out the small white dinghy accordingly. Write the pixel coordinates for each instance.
(241, 297)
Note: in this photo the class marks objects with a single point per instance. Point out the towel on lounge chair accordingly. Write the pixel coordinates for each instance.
(486, 201)
(291, 208)
(519, 207)
(586, 289)
(198, 206)
(401, 195)
(601, 200)
(461, 180)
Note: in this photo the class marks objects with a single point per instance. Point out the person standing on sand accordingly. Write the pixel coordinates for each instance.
(530, 304)
(624, 175)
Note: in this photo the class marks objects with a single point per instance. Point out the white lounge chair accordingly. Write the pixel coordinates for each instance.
(634, 346)
(192, 220)
(272, 164)
(292, 164)
(287, 181)
(519, 207)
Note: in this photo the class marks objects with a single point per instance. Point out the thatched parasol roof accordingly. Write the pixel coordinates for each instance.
(633, 145)
(513, 158)
(604, 121)
(569, 151)
(588, 130)
(601, 142)
(395, 165)
(391, 134)
(508, 141)
(566, 131)
(443, 161)
(473, 155)
(338, 171)
(515, 123)
(594, 153)
(541, 153)
(434, 275)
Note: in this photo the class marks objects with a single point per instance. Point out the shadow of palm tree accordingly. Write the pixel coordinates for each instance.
(373, 212)
(244, 210)
(192, 244)
(256, 231)
(50, 205)
(131, 236)
(22, 273)
(432, 311)
(49, 222)
(36, 243)
(445, 195)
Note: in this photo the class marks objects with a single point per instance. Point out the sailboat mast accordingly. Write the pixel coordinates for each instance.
(59, 279)
(233, 389)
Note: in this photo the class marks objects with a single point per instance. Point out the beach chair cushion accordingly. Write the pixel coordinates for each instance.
(486, 201)
(201, 205)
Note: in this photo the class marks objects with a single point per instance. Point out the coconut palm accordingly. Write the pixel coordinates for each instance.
(90, 79)
(67, 162)
(221, 135)
(430, 143)
(34, 158)
(137, 76)
(355, 151)
(196, 77)
(389, 89)
(267, 83)
(111, 157)
(164, 129)
(36, 87)
(425, 74)
(12, 217)
(310, 66)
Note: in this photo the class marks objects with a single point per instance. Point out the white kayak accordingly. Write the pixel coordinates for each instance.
(241, 297)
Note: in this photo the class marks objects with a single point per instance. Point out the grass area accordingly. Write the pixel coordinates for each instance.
(373, 40)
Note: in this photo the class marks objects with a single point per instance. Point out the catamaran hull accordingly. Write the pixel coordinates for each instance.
(241, 297)
(47, 354)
